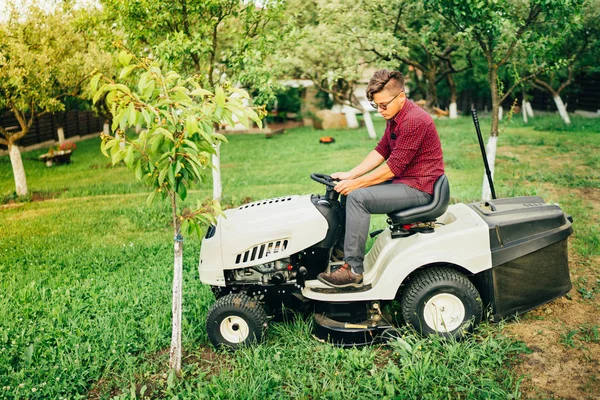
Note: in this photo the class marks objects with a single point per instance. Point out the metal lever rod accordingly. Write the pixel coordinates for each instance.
(488, 172)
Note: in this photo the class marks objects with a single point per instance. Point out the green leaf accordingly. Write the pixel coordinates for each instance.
(118, 156)
(162, 174)
(165, 133)
(94, 83)
(124, 120)
(138, 170)
(124, 58)
(220, 97)
(150, 198)
(191, 125)
(142, 82)
(147, 117)
(98, 94)
(171, 175)
(182, 191)
(156, 142)
(149, 90)
(132, 114)
(129, 156)
(200, 92)
(126, 71)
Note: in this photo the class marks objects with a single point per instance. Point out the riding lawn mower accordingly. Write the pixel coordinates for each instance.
(446, 265)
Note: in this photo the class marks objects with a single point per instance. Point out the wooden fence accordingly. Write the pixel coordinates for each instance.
(44, 128)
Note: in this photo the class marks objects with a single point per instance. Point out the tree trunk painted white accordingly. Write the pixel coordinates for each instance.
(486, 192)
(369, 125)
(106, 128)
(61, 135)
(351, 119)
(216, 173)
(524, 111)
(175, 352)
(562, 110)
(500, 111)
(529, 109)
(18, 170)
(453, 111)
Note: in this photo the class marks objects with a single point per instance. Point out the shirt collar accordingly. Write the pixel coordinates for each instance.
(405, 108)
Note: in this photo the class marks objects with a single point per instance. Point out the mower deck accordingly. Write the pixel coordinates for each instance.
(346, 334)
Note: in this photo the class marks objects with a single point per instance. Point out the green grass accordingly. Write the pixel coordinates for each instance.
(85, 278)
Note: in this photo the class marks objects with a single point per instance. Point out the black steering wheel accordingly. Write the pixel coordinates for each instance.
(324, 179)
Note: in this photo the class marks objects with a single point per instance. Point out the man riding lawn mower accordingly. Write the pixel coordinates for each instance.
(444, 264)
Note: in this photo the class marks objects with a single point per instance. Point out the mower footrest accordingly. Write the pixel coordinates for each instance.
(349, 289)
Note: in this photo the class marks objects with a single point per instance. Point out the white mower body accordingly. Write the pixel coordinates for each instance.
(274, 229)
(460, 238)
(259, 233)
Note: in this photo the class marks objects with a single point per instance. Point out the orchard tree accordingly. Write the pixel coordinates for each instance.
(500, 29)
(172, 152)
(570, 50)
(43, 59)
(401, 33)
(214, 39)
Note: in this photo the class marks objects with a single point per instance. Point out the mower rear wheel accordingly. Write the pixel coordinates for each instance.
(441, 301)
(235, 320)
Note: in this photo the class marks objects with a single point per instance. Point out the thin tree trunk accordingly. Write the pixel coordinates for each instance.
(216, 173)
(453, 110)
(524, 105)
(369, 124)
(431, 100)
(529, 109)
(61, 134)
(175, 352)
(562, 110)
(18, 169)
(492, 78)
(486, 193)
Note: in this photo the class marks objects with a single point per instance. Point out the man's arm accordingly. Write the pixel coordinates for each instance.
(379, 175)
(371, 161)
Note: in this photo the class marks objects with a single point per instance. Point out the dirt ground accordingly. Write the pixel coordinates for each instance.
(563, 335)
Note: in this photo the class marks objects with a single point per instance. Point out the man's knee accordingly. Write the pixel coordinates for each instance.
(356, 196)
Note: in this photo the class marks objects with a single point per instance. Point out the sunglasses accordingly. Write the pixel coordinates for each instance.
(383, 106)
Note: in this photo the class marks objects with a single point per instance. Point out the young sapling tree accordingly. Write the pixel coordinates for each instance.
(173, 150)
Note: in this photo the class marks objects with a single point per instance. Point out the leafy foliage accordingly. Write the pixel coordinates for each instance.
(179, 118)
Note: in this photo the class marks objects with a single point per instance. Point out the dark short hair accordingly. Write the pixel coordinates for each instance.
(383, 79)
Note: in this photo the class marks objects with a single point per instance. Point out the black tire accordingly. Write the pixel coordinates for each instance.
(461, 306)
(235, 320)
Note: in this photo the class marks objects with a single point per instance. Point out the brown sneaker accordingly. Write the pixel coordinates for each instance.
(341, 278)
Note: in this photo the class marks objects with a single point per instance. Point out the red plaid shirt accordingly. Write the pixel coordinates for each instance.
(412, 148)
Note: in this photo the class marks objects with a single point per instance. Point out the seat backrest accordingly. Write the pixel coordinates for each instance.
(428, 212)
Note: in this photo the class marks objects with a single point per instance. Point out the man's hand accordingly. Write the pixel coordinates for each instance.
(346, 186)
(341, 176)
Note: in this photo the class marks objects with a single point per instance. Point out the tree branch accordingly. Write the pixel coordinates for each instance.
(534, 12)
(540, 84)
(517, 83)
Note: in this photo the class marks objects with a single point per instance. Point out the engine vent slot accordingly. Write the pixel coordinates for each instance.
(265, 202)
(262, 251)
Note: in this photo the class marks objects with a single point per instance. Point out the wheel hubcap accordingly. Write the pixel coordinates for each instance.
(234, 329)
(444, 312)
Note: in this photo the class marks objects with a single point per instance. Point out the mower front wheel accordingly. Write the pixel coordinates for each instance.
(441, 301)
(235, 320)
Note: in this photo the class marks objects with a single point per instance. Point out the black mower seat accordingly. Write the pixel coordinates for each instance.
(428, 212)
